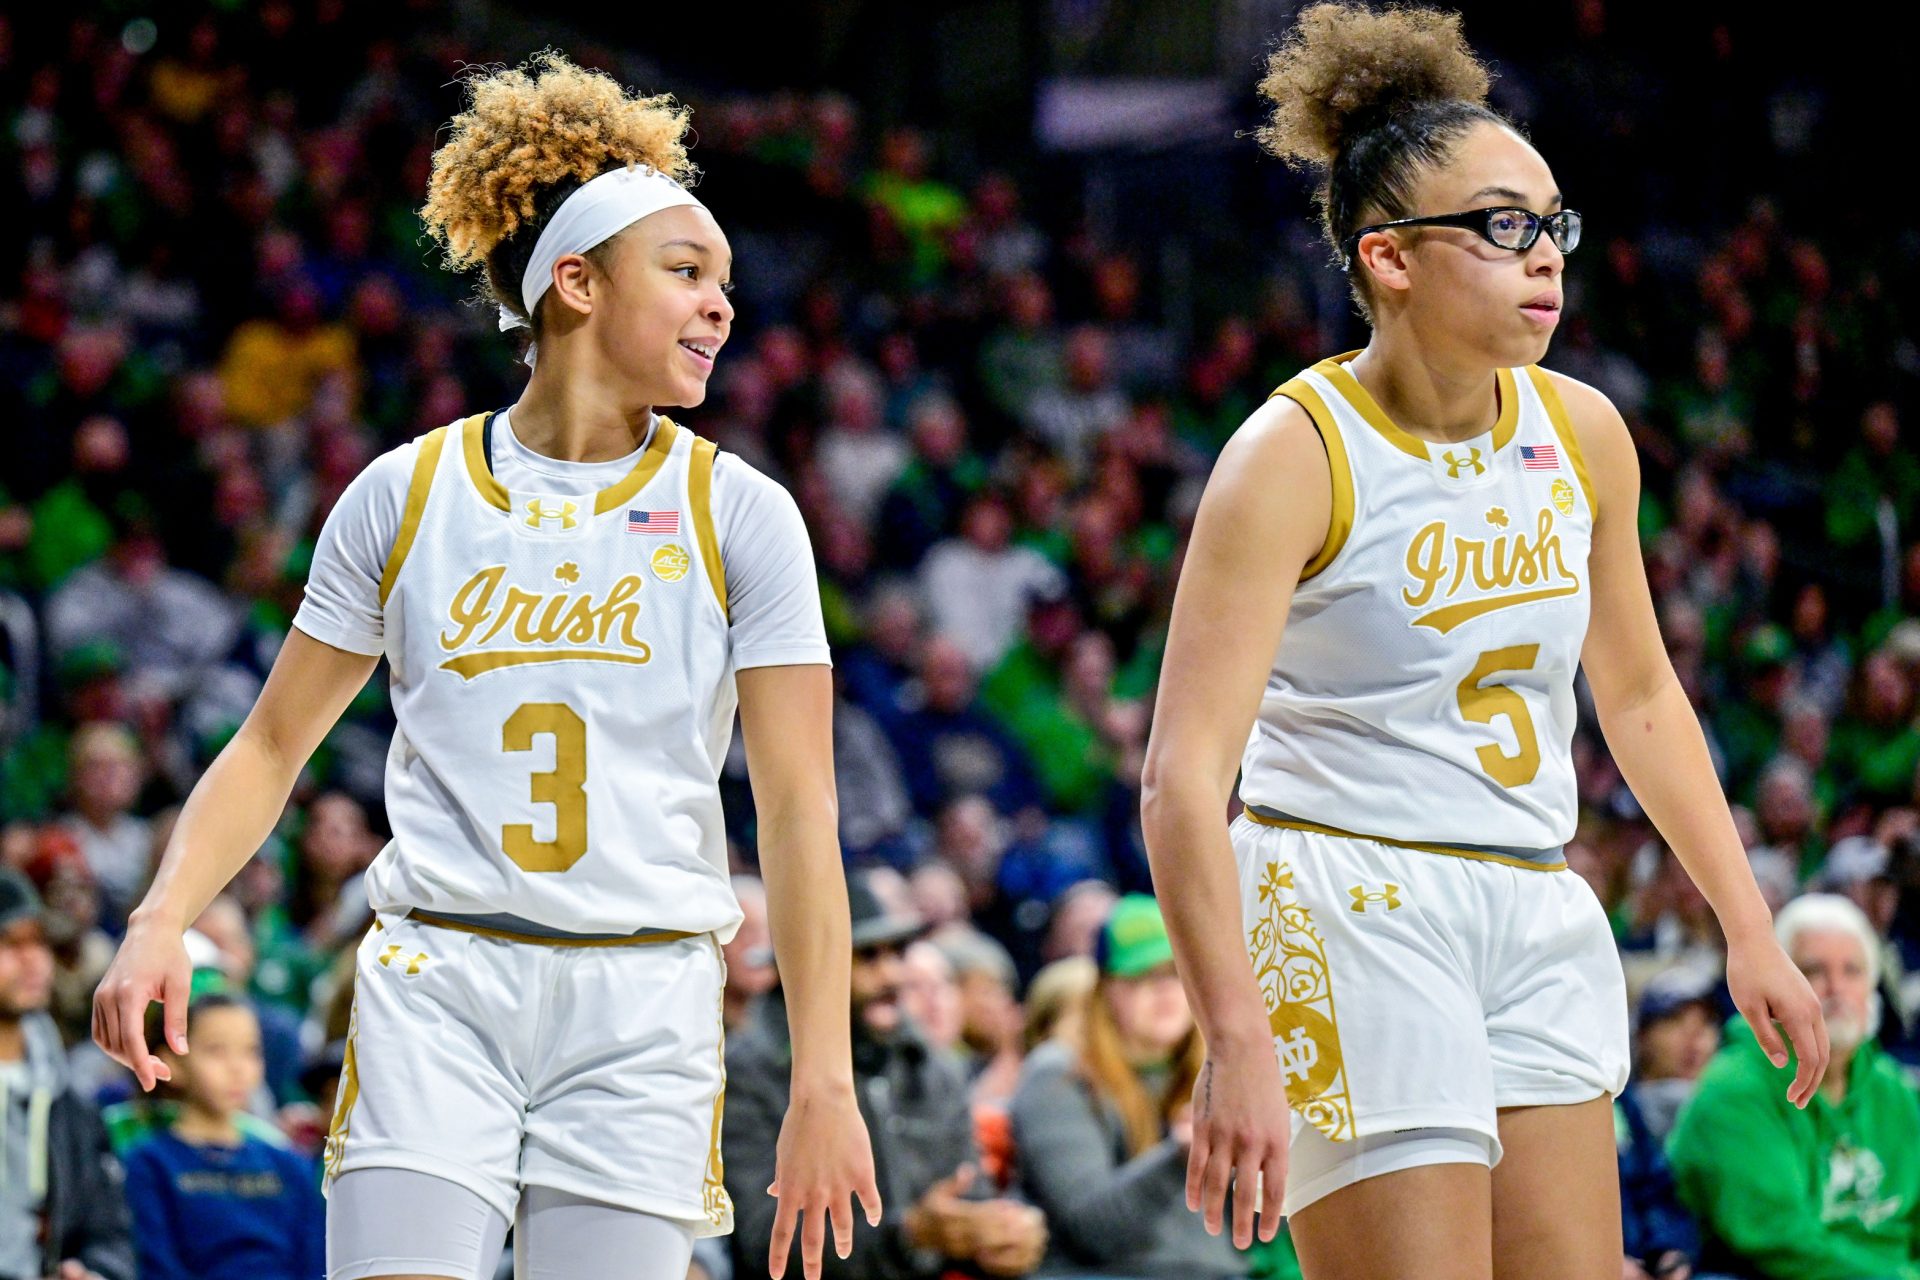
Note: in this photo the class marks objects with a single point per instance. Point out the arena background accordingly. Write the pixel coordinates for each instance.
(995, 261)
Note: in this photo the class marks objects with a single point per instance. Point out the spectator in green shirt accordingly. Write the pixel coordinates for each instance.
(1831, 1192)
(1877, 748)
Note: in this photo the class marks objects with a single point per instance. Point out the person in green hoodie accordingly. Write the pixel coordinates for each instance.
(1831, 1192)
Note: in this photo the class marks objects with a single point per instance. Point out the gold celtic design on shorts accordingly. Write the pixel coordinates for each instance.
(1290, 963)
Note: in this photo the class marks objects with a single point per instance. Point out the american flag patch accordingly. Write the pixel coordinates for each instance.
(653, 522)
(1539, 457)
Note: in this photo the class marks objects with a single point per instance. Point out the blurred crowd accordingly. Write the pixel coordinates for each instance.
(218, 305)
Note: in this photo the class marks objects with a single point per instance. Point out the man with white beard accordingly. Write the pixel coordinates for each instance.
(1824, 1193)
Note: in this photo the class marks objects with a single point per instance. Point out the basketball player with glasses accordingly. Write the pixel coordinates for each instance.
(1417, 1021)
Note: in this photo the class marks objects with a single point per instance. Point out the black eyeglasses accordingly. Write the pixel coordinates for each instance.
(1507, 227)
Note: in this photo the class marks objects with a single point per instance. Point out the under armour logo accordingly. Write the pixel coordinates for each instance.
(1298, 1054)
(1391, 897)
(1471, 460)
(564, 513)
(413, 962)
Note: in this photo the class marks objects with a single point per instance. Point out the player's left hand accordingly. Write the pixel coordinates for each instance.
(1769, 988)
(822, 1161)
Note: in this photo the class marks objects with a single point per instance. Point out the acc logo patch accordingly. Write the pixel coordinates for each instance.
(670, 563)
(1563, 497)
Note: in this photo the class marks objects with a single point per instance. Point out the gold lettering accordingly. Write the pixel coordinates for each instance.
(1550, 541)
(1498, 566)
(466, 612)
(514, 606)
(479, 613)
(623, 608)
(1426, 562)
(550, 627)
(579, 620)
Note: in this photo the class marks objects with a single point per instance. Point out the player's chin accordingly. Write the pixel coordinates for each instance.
(692, 391)
(1524, 347)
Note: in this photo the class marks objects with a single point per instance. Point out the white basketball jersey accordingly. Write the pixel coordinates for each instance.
(561, 678)
(1423, 690)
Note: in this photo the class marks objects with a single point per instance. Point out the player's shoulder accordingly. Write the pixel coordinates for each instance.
(740, 487)
(734, 470)
(1588, 409)
(1280, 427)
(396, 465)
(1601, 433)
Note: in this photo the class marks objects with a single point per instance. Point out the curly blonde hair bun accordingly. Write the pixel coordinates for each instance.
(529, 137)
(1374, 99)
(1343, 67)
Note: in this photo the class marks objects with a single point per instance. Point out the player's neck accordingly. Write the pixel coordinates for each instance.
(13, 1040)
(577, 419)
(1426, 396)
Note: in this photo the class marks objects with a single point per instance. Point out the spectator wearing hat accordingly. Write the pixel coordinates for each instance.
(62, 1213)
(1102, 1120)
(1831, 1192)
(914, 1101)
(1676, 1033)
(1676, 1030)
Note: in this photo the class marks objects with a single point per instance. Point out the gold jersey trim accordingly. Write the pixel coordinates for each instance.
(469, 665)
(644, 470)
(713, 1192)
(425, 464)
(1335, 370)
(1448, 617)
(1476, 855)
(1340, 519)
(473, 448)
(1563, 427)
(346, 1095)
(700, 498)
(540, 940)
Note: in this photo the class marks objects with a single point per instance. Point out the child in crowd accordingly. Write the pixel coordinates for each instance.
(211, 1201)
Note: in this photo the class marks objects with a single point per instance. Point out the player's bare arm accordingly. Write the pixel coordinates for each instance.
(230, 812)
(1264, 515)
(824, 1159)
(1655, 738)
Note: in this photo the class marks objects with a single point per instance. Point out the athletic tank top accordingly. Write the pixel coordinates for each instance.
(1423, 690)
(561, 681)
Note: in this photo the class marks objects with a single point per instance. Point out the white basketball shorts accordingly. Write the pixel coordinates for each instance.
(1413, 990)
(498, 1063)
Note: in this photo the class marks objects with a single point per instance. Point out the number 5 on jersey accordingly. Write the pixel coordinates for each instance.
(1480, 704)
(564, 786)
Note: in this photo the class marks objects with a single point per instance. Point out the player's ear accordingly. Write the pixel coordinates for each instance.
(1384, 258)
(574, 279)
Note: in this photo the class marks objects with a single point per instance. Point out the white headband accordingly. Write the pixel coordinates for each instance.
(601, 209)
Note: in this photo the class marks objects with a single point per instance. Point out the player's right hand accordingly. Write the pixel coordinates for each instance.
(1240, 1131)
(151, 965)
(823, 1161)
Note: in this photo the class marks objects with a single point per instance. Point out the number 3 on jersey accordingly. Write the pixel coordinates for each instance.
(1480, 704)
(564, 786)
